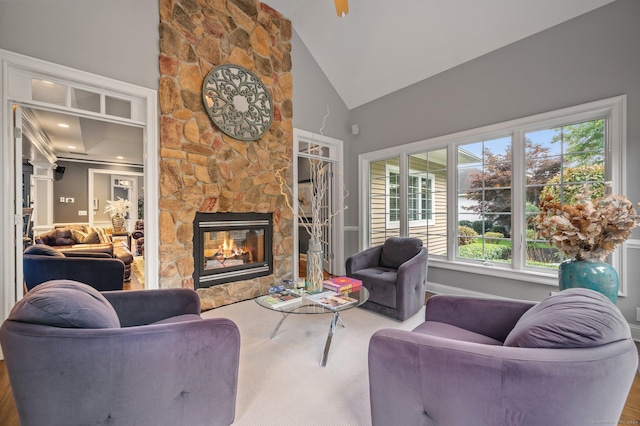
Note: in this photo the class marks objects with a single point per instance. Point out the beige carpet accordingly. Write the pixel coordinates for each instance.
(281, 382)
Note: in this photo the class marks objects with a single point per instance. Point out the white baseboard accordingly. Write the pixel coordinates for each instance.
(446, 289)
(635, 332)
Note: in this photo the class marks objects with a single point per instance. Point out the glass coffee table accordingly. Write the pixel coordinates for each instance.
(307, 307)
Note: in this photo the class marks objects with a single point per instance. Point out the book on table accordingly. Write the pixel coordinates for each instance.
(330, 299)
(282, 298)
(342, 284)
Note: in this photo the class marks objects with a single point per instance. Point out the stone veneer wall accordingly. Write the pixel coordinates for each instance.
(202, 169)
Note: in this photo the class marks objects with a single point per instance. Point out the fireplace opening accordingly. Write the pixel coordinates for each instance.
(232, 247)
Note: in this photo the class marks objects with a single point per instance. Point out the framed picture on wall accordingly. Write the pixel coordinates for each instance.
(305, 195)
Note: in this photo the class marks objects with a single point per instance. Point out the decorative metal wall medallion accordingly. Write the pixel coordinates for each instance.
(237, 102)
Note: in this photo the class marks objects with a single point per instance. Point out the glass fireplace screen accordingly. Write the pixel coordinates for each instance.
(232, 247)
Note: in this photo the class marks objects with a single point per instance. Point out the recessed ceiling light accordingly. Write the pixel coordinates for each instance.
(71, 147)
(120, 157)
(66, 126)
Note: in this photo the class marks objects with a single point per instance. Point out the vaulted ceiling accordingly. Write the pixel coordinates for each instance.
(382, 46)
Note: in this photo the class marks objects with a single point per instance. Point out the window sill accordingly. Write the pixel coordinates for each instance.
(550, 279)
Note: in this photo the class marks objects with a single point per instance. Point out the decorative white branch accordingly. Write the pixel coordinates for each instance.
(319, 172)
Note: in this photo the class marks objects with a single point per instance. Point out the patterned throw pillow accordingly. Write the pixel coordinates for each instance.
(103, 236)
(91, 238)
(78, 236)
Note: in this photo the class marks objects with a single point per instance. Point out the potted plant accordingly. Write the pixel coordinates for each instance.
(118, 209)
(587, 231)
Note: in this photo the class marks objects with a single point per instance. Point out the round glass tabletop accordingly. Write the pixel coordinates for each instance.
(311, 303)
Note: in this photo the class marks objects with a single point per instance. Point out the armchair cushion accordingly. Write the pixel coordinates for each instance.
(66, 304)
(396, 251)
(381, 282)
(448, 331)
(573, 318)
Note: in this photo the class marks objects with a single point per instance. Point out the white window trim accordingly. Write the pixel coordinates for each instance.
(613, 110)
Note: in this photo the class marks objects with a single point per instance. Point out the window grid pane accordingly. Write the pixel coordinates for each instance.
(484, 201)
(561, 163)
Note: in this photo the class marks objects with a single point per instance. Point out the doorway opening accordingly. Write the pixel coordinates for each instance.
(318, 155)
(39, 85)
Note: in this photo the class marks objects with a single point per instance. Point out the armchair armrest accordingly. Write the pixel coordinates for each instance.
(140, 307)
(368, 258)
(489, 317)
(414, 269)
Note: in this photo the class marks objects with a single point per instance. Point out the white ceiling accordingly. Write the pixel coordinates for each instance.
(382, 46)
(88, 139)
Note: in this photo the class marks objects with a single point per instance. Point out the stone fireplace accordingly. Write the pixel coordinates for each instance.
(203, 170)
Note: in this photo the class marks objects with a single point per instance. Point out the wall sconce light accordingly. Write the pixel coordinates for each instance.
(342, 7)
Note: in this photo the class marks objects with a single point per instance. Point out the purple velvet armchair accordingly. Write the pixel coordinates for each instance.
(395, 274)
(568, 360)
(76, 356)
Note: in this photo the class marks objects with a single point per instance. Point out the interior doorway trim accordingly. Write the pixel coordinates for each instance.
(13, 86)
(335, 155)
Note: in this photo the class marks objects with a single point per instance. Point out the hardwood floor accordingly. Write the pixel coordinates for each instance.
(8, 411)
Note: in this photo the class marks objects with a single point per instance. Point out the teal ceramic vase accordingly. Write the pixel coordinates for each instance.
(598, 276)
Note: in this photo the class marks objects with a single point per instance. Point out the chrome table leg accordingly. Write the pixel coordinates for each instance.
(275, 331)
(332, 329)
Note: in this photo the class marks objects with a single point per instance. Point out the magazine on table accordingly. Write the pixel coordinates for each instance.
(331, 299)
(282, 298)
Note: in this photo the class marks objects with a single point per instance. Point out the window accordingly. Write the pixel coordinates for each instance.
(420, 189)
(393, 189)
(559, 163)
(484, 196)
(420, 198)
(471, 196)
(384, 200)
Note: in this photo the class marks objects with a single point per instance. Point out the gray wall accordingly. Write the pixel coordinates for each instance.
(74, 183)
(113, 38)
(312, 93)
(591, 57)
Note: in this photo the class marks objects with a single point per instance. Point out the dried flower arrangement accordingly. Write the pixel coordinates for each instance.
(120, 206)
(591, 228)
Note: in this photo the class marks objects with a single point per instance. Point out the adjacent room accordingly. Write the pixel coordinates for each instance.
(382, 213)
